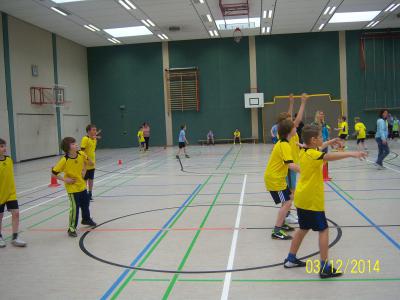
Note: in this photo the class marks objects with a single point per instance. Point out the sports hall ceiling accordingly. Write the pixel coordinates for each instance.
(189, 17)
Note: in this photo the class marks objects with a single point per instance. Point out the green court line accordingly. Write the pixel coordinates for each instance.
(205, 280)
(144, 259)
(342, 190)
(194, 240)
(237, 154)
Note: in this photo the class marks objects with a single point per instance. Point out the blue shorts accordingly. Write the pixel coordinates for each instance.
(309, 219)
(281, 196)
(291, 179)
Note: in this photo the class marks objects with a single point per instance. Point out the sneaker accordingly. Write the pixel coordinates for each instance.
(2, 243)
(280, 235)
(286, 227)
(187, 156)
(329, 273)
(177, 156)
(89, 222)
(18, 242)
(293, 264)
(292, 219)
(380, 167)
(72, 233)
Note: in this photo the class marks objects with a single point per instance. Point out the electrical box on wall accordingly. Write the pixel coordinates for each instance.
(35, 70)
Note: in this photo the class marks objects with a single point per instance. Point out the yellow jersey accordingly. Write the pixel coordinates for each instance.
(293, 142)
(7, 183)
(309, 192)
(236, 134)
(344, 128)
(140, 136)
(88, 146)
(277, 167)
(361, 130)
(72, 168)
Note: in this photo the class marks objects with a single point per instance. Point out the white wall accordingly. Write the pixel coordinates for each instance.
(36, 126)
(4, 130)
(73, 74)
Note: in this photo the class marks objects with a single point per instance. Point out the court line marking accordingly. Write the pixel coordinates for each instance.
(394, 170)
(228, 276)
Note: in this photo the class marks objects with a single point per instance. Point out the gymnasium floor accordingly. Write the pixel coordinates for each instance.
(187, 227)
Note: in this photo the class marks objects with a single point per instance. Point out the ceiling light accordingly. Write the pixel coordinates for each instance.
(268, 29)
(209, 18)
(201, 1)
(263, 30)
(128, 31)
(264, 14)
(112, 41)
(216, 33)
(130, 4)
(124, 4)
(321, 26)
(88, 27)
(151, 22)
(117, 41)
(160, 36)
(60, 11)
(326, 10)
(211, 32)
(389, 7)
(394, 8)
(359, 16)
(370, 23)
(373, 25)
(270, 14)
(94, 27)
(145, 23)
(165, 37)
(332, 10)
(66, 1)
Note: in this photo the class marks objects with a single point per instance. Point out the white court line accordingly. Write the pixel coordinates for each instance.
(394, 170)
(228, 275)
(52, 199)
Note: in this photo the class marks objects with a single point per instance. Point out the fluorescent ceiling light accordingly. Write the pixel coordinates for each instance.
(332, 10)
(270, 14)
(358, 16)
(145, 23)
(165, 36)
(66, 1)
(130, 4)
(122, 2)
(201, 1)
(94, 27)
(112, 41)
(370, 23)
(209, 18)
(264, 14)
(373, 25)
(326, 10)
(321, 26)
(160, 36)
(231, 24)
(216, 33)
(128, 31)
(394, 8)
(268, 29)
(389, 7)
(263, 30)
(60, 11)
(88, 27)
(211, 32)
(151, 22)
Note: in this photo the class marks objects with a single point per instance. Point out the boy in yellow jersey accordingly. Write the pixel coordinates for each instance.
(343, 132)
(8, 196)
(280, 161)
(361, 132)
(73, 165)
(141, 140)
(236, 137)
(88, 146)
(309, 198)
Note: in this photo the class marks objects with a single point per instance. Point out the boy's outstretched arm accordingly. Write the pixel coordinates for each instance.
(300, 113)
(342, 155)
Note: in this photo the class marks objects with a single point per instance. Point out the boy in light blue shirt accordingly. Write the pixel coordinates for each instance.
(381, 137)
(182, 142)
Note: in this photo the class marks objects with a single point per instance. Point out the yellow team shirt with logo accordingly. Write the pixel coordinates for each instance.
(140, 136)
(277, 167)
(88, 146)
(309, 192)
(345, 126)
(236, 134)
(361, 130)
(72, 168)
(293, 142)
(7, 184)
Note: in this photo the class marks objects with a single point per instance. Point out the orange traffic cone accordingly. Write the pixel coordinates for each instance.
(119, 162)
(325, 172)
(53, 182)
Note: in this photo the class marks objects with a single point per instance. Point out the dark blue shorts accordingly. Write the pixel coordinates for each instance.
(89, 174)
(309, 219)
(11, 205)
(281, 196)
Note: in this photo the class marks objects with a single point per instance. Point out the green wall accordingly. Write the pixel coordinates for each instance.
(224, 78)
(129, 75)
(377, 86)
(298, 63)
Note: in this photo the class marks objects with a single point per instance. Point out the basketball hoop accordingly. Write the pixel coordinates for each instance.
(237, 35)
(54, 96)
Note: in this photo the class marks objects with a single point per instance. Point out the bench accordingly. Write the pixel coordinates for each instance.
(228, 141)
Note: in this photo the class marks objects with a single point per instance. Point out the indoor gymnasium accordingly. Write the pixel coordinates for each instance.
(199, 149)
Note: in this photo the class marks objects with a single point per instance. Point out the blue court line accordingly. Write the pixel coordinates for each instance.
(380, 230)
(147, 247)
